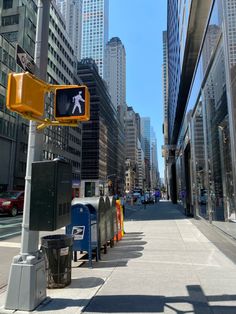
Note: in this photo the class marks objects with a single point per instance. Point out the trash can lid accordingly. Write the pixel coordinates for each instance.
(57, 241)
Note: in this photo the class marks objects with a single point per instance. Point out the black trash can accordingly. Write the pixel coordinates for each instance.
(57, 250)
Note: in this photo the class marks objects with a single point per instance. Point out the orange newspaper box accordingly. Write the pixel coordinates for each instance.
(119, 216)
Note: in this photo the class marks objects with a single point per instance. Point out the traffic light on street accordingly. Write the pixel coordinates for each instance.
(25, 94)
(72, 103)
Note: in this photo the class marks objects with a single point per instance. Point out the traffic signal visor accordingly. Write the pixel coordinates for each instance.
(25, 94)
(72, 102)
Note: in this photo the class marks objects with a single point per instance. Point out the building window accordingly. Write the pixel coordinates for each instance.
(4, 79)
(11, 36)
(2, 102)
(5, 57)
(7, 4)
(10, 20)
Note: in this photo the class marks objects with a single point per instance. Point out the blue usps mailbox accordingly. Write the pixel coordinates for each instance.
(99, 205)
(84, 229)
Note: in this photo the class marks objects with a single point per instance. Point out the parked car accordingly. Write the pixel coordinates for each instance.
(11, 202)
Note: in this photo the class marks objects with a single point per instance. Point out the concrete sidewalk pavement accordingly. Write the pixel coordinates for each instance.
(164, 264)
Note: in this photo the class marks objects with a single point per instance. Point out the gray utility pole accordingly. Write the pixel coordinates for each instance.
(27, 280)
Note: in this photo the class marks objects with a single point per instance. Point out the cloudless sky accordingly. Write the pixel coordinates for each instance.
(139, 25)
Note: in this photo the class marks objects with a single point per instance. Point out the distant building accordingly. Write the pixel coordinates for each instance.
(115, 74)
(71, 11)
(115, 77)
(95, 31)
(154, 172)
(141, 167)
(99, 151)
(146, 145)
(130, 174)
(131, 141)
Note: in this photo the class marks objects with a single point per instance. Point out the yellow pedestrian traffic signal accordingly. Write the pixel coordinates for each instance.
(72, 103)
(25, 94)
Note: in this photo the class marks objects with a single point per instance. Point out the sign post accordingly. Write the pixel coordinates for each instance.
(24, 60)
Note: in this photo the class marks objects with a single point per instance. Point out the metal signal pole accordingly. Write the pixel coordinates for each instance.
(27, 280)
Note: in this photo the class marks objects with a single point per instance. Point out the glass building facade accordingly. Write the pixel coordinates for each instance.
(205, 149)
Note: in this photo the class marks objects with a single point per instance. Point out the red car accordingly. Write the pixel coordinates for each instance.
(11, 202)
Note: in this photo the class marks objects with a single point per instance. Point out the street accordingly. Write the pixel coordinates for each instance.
(10, 226)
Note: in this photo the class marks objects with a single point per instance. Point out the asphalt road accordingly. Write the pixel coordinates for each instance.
(10, 226)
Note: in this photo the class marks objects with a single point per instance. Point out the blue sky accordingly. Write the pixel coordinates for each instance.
(139, 25)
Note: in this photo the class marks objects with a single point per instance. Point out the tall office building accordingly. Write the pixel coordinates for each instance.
(115, 74)
(95, 31)
(146, 145)
(115, 77)
(154, 172)
(57, 141)
(17, 25)
(99, 150)
(165, 104)
(141, 166)
(183, 28)
(165, 79)
(71, 11)
(146, 135)
(131, 135)
(201, 99)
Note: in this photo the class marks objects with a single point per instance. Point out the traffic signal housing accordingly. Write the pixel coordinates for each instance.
(25, 94)
(71, 103)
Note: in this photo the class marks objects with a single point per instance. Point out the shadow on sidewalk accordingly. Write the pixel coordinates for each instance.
(130, 247)
(196, 302)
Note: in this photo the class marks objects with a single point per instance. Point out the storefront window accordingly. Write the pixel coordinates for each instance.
(215, 101)
(200, 186)
(229, 127)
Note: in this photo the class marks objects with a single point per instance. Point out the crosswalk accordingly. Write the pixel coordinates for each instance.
(10, 227)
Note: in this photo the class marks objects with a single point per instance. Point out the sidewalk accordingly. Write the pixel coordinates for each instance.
(164, 264)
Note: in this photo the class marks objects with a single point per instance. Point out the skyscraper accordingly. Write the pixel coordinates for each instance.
(184, 37)
(165, 102)
(95, 31)
(20, 28)
(154, 172)
(145, 140)
(115, 74)
(115, 77)
(71, 11)
(99, 150)
(131, 145)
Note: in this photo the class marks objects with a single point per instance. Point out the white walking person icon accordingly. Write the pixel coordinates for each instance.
(76, 100)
